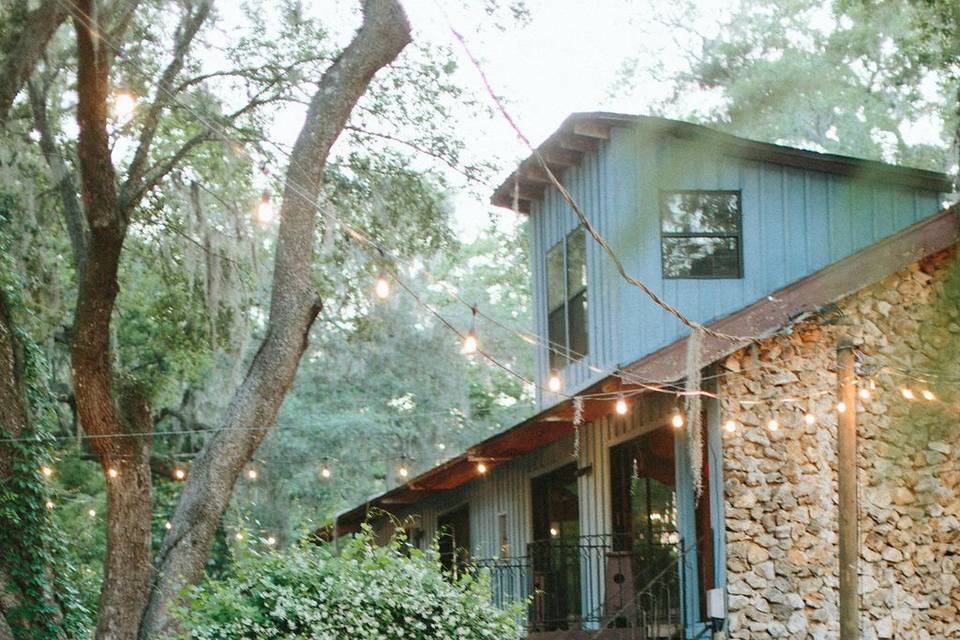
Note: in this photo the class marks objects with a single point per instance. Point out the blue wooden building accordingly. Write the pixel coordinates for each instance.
(745, 236)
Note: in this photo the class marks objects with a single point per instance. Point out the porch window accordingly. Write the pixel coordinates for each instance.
(567, 299)
(700, 234)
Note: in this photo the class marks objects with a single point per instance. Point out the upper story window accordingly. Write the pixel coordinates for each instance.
(700, 234)
(567, 299)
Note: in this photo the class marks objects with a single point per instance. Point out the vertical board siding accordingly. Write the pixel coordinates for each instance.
(795, 221)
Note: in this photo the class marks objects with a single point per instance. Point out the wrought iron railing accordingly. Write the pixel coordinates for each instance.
(593, 582)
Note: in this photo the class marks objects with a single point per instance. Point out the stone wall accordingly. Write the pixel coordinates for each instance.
(781, 486)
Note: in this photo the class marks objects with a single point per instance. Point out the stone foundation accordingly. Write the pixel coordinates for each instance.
(781, 486)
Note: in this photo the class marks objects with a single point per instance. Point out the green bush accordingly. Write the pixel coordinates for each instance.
(361, 591)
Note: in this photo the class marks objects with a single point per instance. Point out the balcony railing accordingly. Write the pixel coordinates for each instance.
(593, 582)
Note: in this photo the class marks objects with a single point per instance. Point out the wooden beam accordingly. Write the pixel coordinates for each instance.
(849, 606)
(592, 129)
(573, 142)
(561, 157)
(534, 174)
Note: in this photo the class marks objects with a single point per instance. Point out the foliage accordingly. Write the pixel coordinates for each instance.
(48, 604)
(359, 591)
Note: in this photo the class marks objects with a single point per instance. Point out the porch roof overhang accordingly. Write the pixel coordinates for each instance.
(765, 317)
(581, 133)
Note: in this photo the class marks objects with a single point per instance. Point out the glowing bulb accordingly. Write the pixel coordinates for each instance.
(49, 504)
(469, 343)
(907, 393)
(271, 541)
(46, 471)
(553, 532)
(481, 468)
(928, 395)
(864, 393)
(621, 406)
(403, 471)
(382, 287)
(441, 446)
(112, 472)
(179, 474)
(677, 420)
(841, 406)
(167, 525)
(730, 426)
(265, 208)
(553, 382)
(123, 104)
(238, 535)
(809, 418)
(773, 425)
(92, 513)
(325, 472)
(252, 474)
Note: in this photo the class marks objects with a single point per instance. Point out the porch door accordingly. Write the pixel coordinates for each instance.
(454, 538)
(554, 551)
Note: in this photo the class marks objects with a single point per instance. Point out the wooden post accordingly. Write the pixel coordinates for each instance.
(847, 489)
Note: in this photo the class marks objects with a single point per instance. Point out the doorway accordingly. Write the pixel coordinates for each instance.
(555, 550)
(454, 539)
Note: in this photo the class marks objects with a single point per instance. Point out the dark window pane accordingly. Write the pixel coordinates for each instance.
(701, 257)
(556, 293)
(701, 212)
(576, 262)
(578, 325)
(557, 334)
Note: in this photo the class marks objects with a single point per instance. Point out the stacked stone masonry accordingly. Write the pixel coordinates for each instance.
(781, 486)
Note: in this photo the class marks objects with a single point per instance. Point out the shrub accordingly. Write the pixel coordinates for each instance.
(361, 591)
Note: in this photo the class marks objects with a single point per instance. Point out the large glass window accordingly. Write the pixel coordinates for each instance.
(567, 299)
(700, 234)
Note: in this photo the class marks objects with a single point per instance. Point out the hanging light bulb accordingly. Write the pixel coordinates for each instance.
(470, 343)
(928, 395)
(252, 473)
(49, 504)
(773, 425)
(325, 472)
(441, 446)
(382, 287)
(92, 513)
(677, 419)
(46, 471)
(124, 104)
(730, 426)
(907, 393)
(271, 541)
(481, 468)
(403, 472)
(238, 535)
(621, 406)
(167, 525)
(553, 382)
(809, 418)
(113, 473)
(179, 474)
(265, 208)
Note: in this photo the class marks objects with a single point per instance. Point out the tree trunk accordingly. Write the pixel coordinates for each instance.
(294, 306)
(23, 47)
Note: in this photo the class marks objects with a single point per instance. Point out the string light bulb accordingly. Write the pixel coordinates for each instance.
(470, 343)
(481, 468)
(92, 513)
(179, 474)
(553, 382)
(730, 426)
(167, 525)
(621, 406)
(265, 208)
(773, 425)
(382, 287)
(928, 395)
(677, 420)
(403, 472)
(238, 535)
(271, 541)
(907, 393)
(46, 471)
(49, 504)
(124, 104)
(325, 472)
(252, 474)
(113, 473)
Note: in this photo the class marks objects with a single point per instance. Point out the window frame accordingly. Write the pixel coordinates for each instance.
(559, 361)
(737, 236)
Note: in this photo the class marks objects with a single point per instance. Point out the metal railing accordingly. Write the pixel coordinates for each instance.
(594, 582)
